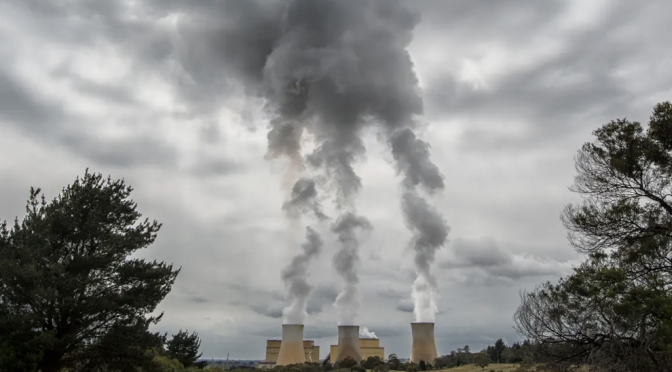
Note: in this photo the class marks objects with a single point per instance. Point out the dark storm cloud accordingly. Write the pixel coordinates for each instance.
(20, 107)
(582, 78)
(487, 256)
(23, 108)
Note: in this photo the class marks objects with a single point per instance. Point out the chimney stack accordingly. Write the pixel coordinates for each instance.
(423, 347)
(291, 347)
(348, 343)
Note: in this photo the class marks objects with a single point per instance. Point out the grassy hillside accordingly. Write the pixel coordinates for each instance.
(504, 367)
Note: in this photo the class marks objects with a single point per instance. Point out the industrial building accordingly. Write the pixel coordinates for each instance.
(311, 351)
(368, 347)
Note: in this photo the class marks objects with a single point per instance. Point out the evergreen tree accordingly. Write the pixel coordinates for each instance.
(66, 276)
(184, 348)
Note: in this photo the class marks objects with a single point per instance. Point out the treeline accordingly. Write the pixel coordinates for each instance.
(519, 352)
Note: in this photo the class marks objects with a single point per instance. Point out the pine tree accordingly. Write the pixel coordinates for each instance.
(66, 275)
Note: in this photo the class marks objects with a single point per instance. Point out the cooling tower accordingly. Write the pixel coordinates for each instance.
(423, 347)
(348, 343)
(291, 347)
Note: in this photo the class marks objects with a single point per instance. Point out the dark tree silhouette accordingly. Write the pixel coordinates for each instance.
(66, 276)
(615, 310)
(184, 347)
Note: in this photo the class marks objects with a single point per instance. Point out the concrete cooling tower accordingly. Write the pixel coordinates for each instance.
(423, 347)
(291, 347)
(348, 343)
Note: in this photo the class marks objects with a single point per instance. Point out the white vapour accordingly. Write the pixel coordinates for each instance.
(345, 262)
(365, 333)
(424, 298)
(295, 277)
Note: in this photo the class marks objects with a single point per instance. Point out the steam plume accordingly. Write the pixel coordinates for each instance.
(365, 333)
(331, 68)
(295, 278)
(346, 262)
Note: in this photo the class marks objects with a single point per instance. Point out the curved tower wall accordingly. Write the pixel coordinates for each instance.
(348, 343)
(424, 347)
(291, 347)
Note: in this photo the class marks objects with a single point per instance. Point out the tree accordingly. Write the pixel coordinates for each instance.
(347, 362)
(497, 350)
(125, 346)
(615, 310)
(184, 347)
(482, 360)
(381, 368)
(412, 367)
(371, 362)
(393, 361)
(66, 274)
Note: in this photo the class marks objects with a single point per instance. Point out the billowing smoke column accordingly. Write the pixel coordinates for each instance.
(303, 201)
(423, 347)
(332, 68)
(291, 346)
(345, 261)
(348, 343)
(428, 226)
(295, 278)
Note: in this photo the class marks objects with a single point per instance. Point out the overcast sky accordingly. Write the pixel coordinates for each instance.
(511, 89)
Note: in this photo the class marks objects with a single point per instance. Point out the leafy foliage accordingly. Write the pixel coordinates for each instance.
(482, 360)
(615, 311)
(347, 362)
(372, 362)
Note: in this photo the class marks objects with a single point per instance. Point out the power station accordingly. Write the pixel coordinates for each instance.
(293, 349)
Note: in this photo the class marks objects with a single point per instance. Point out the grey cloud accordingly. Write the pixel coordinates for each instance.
(551, 94)
(269, 311)
(405, 305)
(254, 292)
(198, 300)
(20, 107)
(122, 153)
(209, 167)
(25, 110)
(195, 297)
(464, 19)
(271, 303)
(496, 263)
(113, 93)
(320, 297)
